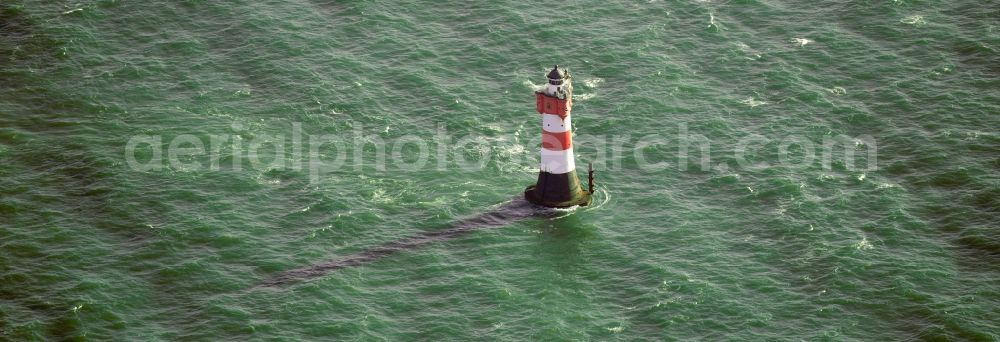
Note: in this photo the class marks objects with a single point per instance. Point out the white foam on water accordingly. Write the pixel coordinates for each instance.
(593, 82)
(750, 101)
(913, 20)
(801, 41)
(563, 212)
(886, 186)
(600, 197)
(748, 50)
(532, 86)
(864, 244)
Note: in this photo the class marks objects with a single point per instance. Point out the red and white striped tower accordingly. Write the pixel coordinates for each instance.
(558, 185)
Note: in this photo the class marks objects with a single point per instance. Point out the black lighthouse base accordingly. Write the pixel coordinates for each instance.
(561, 190)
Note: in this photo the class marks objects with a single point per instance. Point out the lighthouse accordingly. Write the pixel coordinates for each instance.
(558, 185)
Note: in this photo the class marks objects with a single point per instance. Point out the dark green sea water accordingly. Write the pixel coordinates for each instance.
(778, 248)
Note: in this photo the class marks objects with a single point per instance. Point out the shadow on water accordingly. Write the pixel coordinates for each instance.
(509, 212)
(63, 173)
